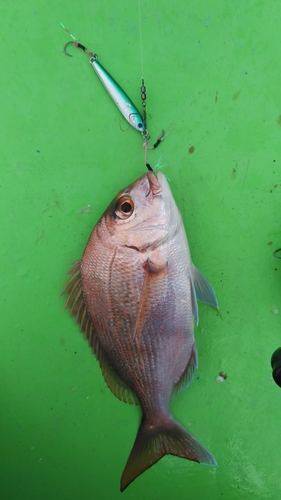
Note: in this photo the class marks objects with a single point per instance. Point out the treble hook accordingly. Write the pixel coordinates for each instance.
(80, 46)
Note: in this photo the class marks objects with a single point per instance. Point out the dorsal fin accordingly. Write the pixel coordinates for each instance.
(75, 301)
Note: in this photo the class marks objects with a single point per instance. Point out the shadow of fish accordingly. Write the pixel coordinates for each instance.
(135, 294)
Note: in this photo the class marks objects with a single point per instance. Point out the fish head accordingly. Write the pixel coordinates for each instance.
(144, 214)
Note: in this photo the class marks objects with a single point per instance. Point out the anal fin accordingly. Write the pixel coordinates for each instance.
(188, 373)
(194, 304)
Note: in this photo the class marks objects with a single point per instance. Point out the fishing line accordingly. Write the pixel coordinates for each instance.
(72, 36)
(143, 97)
(141, 42)
(143, 87)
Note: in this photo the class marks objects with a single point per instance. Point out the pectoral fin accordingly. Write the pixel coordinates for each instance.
(157, 265)
(204, 291)
(154, 279)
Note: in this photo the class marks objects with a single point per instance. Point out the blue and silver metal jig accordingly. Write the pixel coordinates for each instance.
(121, 99)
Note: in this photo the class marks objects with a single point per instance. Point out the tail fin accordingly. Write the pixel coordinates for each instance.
(152, 443)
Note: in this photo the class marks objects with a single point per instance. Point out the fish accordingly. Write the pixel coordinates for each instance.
(135, 293)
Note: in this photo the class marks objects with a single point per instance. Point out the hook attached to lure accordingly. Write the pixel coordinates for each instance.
(121, 99)
(278, 251)
(77, 44)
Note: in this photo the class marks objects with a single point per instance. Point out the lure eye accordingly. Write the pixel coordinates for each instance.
(124, 207)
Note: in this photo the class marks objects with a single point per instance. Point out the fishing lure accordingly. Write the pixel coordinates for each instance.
(121, 99)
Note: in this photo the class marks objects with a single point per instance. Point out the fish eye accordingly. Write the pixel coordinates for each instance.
(124, 207)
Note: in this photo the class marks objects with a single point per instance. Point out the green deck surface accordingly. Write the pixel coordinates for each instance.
(213, 72)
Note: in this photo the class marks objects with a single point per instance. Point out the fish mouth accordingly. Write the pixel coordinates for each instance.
(154, 183)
